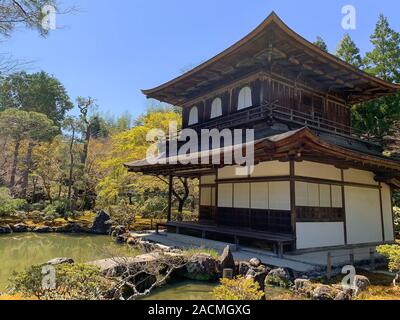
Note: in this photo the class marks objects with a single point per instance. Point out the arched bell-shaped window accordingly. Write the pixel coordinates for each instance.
(193, 116)
(216, 108)
(245, 100)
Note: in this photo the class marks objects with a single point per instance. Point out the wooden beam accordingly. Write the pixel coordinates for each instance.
(293, 199)
(170, 186)
(344, 207)
(381, 208)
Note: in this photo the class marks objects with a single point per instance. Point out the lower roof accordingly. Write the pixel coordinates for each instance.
(300, 144)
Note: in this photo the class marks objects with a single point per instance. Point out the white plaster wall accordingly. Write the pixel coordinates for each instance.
(319, 234)
(337, 201)
(225, 199)
(279, 195)
(259, 195)
(359, 176)
(325, 196)
(271, 169)
(241, 195)
(363, 217)
(208, 179)
(387, 212)
(317, 170)
(205, 199)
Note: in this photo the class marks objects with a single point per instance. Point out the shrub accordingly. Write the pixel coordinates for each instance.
(9, 205)
(392, 252)
(73, 282)
(238, 289)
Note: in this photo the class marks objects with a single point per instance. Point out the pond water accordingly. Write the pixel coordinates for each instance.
(185, 290)
(20, 251)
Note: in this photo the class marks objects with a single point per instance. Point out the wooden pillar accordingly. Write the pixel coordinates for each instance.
(381, 208)
(293, 198)
(216, 197)
(170, 186)
(344, 208)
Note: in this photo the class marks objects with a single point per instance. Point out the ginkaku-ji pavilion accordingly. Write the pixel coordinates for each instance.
(317, 182)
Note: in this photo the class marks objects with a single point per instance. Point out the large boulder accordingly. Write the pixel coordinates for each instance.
(5, 229)
(71, 227)
(258, 274)
(58, 261)
(20, 227)
(324, 292)
(43, 229)
(118, 231)
(243, 268)
(304, 287)
(201, 267)
(100, 224)
(278, 278)
(360, 283)
(255, 262)
(345, 295)
(226, 260)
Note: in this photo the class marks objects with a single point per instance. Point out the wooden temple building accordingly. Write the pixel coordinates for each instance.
(317, 183)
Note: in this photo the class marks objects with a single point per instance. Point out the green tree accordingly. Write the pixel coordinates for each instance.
(40, 128)
(378, 117)
(349, 52)
(14, 124)
(39, 92)
(319, 42)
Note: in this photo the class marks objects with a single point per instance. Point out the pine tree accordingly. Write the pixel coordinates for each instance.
(349, 52)
(321, 44)
(384, 60)
(378, 117)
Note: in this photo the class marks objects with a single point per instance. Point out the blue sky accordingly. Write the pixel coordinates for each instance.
(110, 50)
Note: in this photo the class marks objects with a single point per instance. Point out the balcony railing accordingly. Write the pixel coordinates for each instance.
(273, 111)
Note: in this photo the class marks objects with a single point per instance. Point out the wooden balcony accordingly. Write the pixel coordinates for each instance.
(272, 112)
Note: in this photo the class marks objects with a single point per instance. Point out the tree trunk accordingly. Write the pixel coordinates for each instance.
(71, 169)
(14, 164)
(28, 167)
(86, 145)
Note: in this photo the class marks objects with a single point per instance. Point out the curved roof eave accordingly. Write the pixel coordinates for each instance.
(272, 18)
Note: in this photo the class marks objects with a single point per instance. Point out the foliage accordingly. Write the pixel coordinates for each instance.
(392, 252)
(8, 205)
(73, 282)
(123, 214)
(238, 289)
(39, 92)
(348, 51)
(319, 42)
(377, 117)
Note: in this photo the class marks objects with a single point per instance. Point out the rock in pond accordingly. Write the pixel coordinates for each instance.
(20, 227)
(100, 224)
(43, 229)
(58, 261)
(226, 260)
(5, 229)
(201, 267)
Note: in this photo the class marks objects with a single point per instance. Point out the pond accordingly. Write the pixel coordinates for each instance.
(20, 251)
(184, 290)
